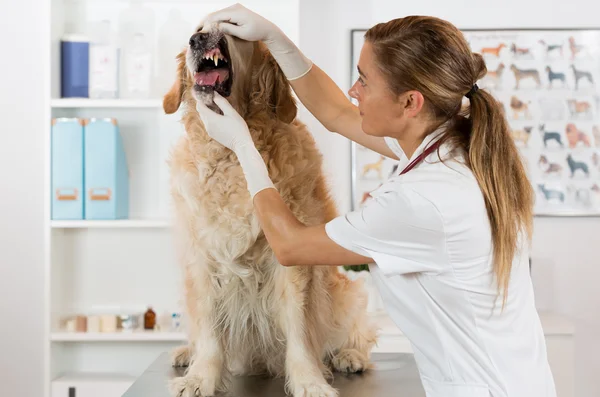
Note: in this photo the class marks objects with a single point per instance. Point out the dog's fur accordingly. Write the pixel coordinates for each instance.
(247, 313)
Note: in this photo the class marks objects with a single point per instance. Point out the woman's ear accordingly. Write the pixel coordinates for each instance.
(273, 88)
(172, 99)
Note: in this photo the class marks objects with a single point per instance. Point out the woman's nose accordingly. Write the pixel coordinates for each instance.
(353, 92)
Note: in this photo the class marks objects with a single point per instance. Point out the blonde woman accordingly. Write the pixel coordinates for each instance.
(446, 234)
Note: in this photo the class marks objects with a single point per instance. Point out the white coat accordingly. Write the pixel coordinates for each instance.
(429, 236)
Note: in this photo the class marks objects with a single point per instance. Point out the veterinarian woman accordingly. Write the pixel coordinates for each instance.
(448, 239)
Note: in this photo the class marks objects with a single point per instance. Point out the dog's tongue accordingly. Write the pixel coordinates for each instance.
(211, 77)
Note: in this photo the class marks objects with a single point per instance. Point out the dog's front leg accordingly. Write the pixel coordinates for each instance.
(205, 375)
(304, 376)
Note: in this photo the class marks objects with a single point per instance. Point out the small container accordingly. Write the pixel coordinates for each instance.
(93, 324)
(74, 66)
(108, 323)
(149, 319)
(128, 322)
(80, 323)
(175, 321)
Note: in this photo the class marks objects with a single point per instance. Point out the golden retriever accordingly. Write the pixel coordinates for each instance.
(248, 315)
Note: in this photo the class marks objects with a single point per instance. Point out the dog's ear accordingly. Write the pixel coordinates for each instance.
(173, 98)
(272, 88)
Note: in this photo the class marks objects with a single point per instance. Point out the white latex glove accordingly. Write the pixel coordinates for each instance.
(239, 21)
(231, 131)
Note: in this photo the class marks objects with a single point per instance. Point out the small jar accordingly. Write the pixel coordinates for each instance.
(149, 319)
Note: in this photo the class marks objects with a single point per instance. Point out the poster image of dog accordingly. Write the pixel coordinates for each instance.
(520, 108)
(493, 78)
(521, 52)
(580, 109)
(577, 137)
(581, 195)
(578, 167)
(492, 51)
(550, 166)
(521, 135)
(552, 49)
(551, 193)
(554, 75)
(525, 74)
(550, 138)
(582, 76)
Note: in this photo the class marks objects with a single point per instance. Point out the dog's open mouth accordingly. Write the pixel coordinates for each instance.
(213, 70)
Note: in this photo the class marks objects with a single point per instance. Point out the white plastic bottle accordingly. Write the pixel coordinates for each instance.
(103, 62)
(137, 36)
(173, 37)
(137, 68)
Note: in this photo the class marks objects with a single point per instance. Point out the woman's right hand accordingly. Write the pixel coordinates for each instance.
(239, 21)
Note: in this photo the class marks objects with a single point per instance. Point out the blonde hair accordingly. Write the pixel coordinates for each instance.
(430, 55)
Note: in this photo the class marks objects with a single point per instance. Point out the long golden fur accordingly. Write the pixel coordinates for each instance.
(247, 313)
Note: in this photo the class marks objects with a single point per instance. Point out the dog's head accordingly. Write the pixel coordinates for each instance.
(244, 72)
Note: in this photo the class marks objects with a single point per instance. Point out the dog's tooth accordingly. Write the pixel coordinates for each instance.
(215, 59)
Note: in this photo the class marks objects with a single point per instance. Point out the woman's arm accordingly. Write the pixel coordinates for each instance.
(326, 101)
(294, 243)
(321, 96)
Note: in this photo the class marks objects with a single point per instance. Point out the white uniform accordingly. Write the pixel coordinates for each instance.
(429, 235)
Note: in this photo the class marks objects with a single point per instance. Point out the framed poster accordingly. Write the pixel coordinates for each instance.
(548, 81)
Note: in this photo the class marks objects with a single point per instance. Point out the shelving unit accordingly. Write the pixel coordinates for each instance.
(105, 103)
(121, 266)
(116, 224)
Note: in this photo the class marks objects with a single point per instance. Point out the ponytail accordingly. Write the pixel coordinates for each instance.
(497, 166)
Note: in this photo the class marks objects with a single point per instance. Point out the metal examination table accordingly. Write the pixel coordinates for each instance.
(394, 375)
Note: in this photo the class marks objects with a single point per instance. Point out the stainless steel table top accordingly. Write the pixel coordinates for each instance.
(394, 375)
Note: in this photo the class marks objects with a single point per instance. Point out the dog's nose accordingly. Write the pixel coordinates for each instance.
(197, 40)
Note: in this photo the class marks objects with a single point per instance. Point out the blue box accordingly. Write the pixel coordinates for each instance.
(67, 168)
(74, 67)
(106, 171)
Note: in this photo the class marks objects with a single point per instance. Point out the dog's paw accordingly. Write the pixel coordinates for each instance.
(350, 360)
(181, 356)
(192, 386)
(315, 390)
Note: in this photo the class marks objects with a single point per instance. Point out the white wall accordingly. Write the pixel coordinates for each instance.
(23, 85)
(566, 265)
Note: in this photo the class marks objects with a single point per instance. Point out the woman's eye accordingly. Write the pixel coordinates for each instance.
(361, 81)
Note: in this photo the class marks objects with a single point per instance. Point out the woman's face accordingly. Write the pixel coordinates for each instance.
(383, 113)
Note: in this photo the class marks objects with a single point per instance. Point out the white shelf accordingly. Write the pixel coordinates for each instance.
(105, 103)
(124, 223)
(123, 336)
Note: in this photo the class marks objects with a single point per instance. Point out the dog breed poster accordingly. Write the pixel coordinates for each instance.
(548, 83)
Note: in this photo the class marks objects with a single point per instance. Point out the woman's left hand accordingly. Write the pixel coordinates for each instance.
(229, 129)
